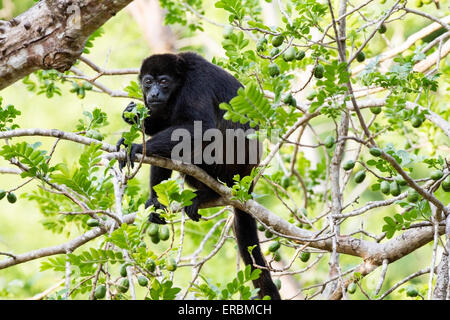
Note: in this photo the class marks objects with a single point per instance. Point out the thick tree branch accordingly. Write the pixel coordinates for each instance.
(50, 35)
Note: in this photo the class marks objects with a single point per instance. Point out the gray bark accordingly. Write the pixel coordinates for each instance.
(50, 35)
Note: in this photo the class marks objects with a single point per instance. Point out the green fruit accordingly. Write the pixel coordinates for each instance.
(276, 256)
(412, 292)
(123, 270)
(300, 55)
(349, 165)
(164, 233)
(436, 174)
(352, 288)
(289, 54)
(277, 41)
(329, 141)
(150, 265)
(261, 228)
(360, 56)
(93, 223)
(416, 122)
(155, 239)
(399, 179)
(227, 32)
(394, 188)
(376, 152)
(375, 110)
(312, 96)
(171, 264)
(262, 41)
(382, 28)
(285, 182)
(290, 100)
(153, 230)
(413, 195)
(143, 281)
(260, 47)
(274, 246)
(304, 256)
(11, 197)
(124, 285)
(385, 187)
(268, 234)
(360, 176)
(318, 71)
(277, 283)
(2, 194)
(100, 292)
(274, 70)
(274, 52)
(419, 3)
(446, 184)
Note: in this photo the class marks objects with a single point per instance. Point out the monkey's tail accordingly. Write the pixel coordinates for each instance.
(247, 235)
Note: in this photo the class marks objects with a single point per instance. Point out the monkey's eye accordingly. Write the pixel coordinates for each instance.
(163, 82)
(148, 82)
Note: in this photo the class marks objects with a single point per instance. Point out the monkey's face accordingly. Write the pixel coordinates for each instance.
(157, 90)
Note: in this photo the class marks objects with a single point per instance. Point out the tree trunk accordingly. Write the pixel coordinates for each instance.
(50, 35)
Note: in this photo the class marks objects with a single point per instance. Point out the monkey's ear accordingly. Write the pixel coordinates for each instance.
(180, 65)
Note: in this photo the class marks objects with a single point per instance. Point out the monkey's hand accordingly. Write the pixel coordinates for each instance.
(154, 216)
(129, 108)
(131, 157)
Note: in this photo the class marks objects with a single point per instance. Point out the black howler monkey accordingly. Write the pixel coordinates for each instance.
(179, 89)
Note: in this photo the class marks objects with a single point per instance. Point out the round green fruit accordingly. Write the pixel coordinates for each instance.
(171, 264)
(274, 70)
(93, 223)
(150, 265)
(360, 176)
(124, 285)
(2, 194)
(268, 234)
(289, 54)
(155, 239)
(304, 256)
(277, 41)
(300, 55)
(11, 197)
(375, 110)
(290, 100)
(276, 256)
(382, 29)
(123, 270)
(352, 288)
(274, 52)
(274, 246)
(285, 182)
(318, 71)
(360, 56)
(412, 292)
(413, 195)
(329, 141)
(446, 184)
(261, 228)
(153, 230)
(394, 188)
(277, 283)
(419, 3)
(436, 174)
(100, 292)
(416, 122)
(399, 179)
(385, 187)
(349, 165)
(164, 233)
(143, 281)
(376, 152)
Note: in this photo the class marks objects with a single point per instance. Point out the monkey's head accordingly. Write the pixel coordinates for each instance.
(160, 77)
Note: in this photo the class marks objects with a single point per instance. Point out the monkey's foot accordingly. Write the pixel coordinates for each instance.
(192, 212)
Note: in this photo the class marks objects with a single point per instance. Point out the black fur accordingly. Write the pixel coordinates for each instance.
(198, 88)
